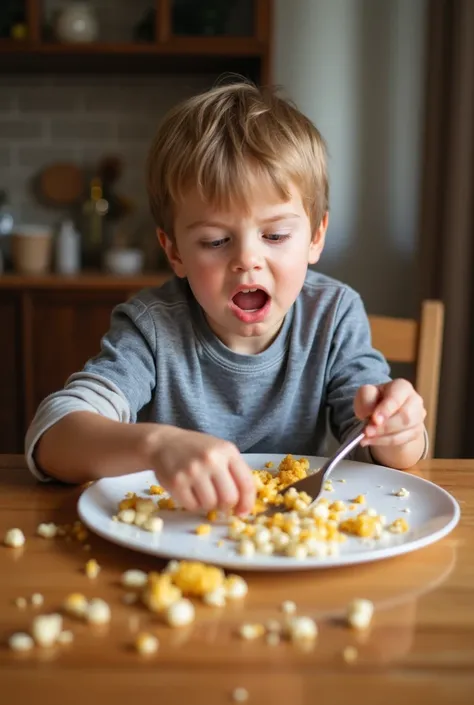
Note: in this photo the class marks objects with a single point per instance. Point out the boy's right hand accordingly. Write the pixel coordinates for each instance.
(202, 472)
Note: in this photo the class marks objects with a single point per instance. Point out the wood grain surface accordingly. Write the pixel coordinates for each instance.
(420, 645)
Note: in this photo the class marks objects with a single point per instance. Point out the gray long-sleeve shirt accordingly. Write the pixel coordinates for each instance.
(161, 362)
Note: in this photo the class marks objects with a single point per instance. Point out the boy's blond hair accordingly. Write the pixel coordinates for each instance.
(218, 140)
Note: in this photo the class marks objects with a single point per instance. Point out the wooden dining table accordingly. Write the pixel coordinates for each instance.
(418, 649)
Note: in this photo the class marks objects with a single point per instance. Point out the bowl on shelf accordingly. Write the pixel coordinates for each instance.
(124, 261)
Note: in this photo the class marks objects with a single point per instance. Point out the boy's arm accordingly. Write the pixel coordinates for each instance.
(353, 363)
(113, 387)
(85, 446)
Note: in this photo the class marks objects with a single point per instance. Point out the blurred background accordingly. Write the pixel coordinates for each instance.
(83, 85)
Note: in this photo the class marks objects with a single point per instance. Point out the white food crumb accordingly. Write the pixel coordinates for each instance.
(402, 492)
(172, 567)
(37, 599)
(251, 631)
(21, 603)
(215, 598)
(14, 538)
(20, 642)
(302, 628)
(359, 613)
(235, 587)
(146, 644)
(47, 531)
(46, 629)
(134, 578)
(246, 548)
(240, 695)
(127, 516)
(180, 613)
(288, 607)
(266, 549)
(154, 525)
(98, 612)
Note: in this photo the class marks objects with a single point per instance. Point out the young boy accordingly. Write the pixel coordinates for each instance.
(245, 349)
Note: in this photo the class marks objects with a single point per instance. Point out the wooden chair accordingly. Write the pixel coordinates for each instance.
(419, 343)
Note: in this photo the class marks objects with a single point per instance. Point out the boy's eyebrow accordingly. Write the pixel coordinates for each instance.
(280, 216)
(217, 224)
(206, 223)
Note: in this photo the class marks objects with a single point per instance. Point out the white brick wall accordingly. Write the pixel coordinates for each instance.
(81, 118)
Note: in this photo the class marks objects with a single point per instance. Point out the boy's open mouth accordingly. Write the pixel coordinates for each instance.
(250, 300)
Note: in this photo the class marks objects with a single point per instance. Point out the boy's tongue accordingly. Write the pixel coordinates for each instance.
(252, 300)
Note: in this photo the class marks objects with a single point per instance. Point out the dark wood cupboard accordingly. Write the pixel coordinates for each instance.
(50, 326)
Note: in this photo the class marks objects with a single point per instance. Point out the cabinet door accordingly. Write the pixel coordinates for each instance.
(11, 393)
(66, 328)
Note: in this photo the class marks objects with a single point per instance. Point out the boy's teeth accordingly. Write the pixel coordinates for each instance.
(248, 291)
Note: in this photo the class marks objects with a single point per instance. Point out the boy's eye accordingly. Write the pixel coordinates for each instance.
(214, 244)
(277, 237)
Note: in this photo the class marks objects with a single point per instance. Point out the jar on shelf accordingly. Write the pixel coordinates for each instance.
(76, 23)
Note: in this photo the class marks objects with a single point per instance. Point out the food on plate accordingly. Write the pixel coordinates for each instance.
(306, 530)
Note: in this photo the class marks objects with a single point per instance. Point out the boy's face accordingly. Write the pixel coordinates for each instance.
(245, 269)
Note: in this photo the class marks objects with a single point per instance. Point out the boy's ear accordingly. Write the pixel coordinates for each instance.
(318, 240)
(172, 253)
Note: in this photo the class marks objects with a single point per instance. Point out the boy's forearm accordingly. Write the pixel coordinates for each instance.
(85, 446)
(399, 457)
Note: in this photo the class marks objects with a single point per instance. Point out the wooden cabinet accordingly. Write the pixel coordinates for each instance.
(159, 35)
(49, 327)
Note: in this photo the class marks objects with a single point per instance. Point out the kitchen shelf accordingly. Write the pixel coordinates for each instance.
(167, 52)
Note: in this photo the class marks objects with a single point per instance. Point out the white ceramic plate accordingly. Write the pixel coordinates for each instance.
(433, 514)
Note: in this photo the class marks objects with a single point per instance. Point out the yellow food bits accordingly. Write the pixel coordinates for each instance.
(212, 515)
(360, 499)
(362, 525)
(75, 605)
(195, 578)
(92, 569)
(159, 592)
(166, 503)
(270, 464)
(203, 529)
(399, 526)
(157, 489)
(128, 502)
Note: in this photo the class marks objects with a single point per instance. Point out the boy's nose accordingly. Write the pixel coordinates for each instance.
(246, 259)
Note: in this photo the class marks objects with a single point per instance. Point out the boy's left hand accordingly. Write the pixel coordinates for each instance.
(395, 411)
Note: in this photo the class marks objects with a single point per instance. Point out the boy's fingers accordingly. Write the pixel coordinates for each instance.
(187, 499)
(366, 400)
(226, 490)
(242, 475)
(394, 396)
(205, 492)
(395, 439)
(410, 415)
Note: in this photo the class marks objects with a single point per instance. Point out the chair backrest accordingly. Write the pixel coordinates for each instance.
(420, 343)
